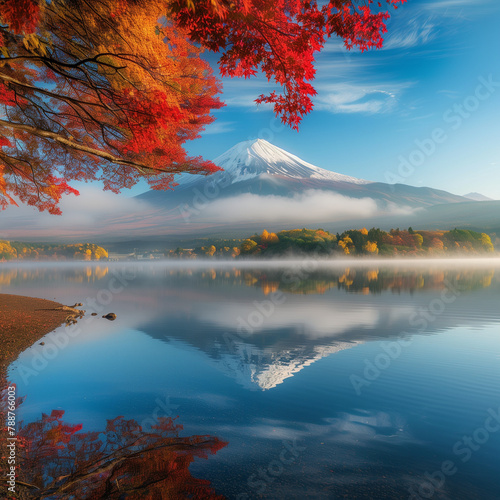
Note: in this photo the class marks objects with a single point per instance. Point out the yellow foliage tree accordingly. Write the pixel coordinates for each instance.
(100, 253)
(346, 244)
(419, 239)
(371, 247)
(210, 250)
(273, 238)
(267, 238)
(486, 242)
(7, 251)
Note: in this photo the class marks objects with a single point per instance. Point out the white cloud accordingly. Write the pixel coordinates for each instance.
(312, 205)
(96, 213)
(348, 64)
(82, 214)
(413, 31)
(413, 34)
(451, 4)
(219, 127)
(334, 45)
(247, 100)
(361, 428)
(461, 10)
(240, 92)
(319, 319)
(357, 98)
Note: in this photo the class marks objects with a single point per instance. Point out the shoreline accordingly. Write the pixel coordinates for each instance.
(23, 321)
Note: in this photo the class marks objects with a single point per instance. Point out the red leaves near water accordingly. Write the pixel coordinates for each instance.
(123, 459)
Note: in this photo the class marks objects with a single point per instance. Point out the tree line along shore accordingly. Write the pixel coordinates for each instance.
(354, 242)
(17, 250)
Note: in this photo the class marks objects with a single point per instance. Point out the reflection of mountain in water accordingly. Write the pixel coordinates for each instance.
(325, 309)
(305, 327)
(260, 361)
(265, 369)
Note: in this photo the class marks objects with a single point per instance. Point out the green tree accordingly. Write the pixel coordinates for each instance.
(248, 246)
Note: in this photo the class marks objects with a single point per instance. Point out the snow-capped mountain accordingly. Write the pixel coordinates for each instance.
(259, 159)
(251, 159)
(258, 168)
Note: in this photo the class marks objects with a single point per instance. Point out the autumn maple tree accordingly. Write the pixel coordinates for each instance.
(111, 90)
(96, 90)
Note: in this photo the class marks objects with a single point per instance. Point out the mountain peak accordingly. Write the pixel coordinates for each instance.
(257, 141)
(477, 197)
(249, 159)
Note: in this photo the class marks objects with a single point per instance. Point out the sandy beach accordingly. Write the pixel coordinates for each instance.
(24, 320)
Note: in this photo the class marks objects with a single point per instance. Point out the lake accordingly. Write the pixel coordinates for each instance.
(345, 379)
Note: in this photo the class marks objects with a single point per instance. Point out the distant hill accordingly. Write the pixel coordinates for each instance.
(477, 197)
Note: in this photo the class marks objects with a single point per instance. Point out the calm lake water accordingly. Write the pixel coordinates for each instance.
(357, 380)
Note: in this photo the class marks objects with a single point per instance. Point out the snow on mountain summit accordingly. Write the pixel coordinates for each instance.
(250, 159)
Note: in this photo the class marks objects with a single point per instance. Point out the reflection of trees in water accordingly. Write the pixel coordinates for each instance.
(46, 275)
(366, 281)
(298, 278)
(57, 461)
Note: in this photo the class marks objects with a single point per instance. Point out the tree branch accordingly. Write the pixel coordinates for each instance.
(60, 97)
(45, 134)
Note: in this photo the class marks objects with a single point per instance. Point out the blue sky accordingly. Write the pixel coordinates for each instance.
(372, 107)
